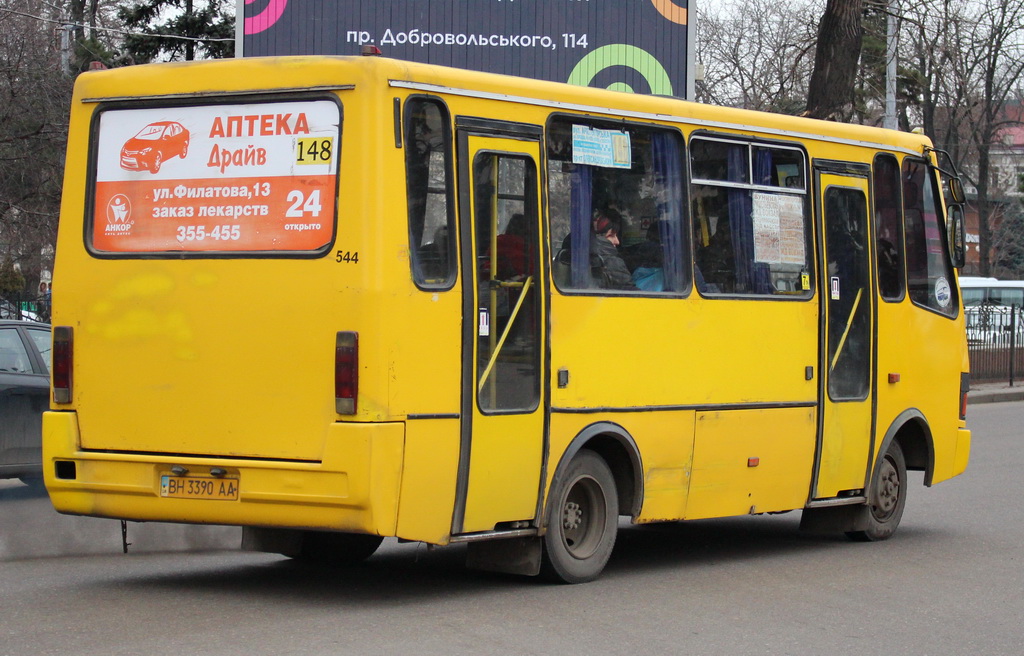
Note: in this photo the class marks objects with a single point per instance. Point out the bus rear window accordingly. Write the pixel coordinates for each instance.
(225, 178)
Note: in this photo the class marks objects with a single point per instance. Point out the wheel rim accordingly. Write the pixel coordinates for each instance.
(887, 491)
(583, 516)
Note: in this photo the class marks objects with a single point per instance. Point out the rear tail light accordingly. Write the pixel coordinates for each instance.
(63, 352)
(346, 372)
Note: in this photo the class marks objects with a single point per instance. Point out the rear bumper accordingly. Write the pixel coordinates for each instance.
(963, 451)
(355, 487)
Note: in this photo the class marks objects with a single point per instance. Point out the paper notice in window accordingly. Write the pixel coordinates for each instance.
(779, 229)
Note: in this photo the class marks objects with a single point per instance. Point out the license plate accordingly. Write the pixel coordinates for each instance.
(199, 487)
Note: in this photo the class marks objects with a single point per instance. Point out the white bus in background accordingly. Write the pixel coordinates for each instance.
(978, 291)
(989, 306)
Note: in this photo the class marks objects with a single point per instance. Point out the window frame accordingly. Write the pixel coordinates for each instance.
(836, 386)
(806, 192)
(901, 245)
(448, 138)
(943, 236)
(686, 248)
(532, 178)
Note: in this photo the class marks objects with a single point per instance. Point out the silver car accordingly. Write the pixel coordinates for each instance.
(24, 396)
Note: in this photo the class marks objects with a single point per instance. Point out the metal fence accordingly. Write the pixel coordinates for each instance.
(995, 342)
(26, 308)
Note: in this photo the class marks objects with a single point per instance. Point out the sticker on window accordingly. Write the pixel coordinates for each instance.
(604, 148)
(943, 296)
(241, 177)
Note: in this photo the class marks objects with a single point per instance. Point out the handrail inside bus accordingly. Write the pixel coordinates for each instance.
(846, 332)
(504, 335)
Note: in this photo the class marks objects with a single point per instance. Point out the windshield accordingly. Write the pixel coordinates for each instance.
(150, 132)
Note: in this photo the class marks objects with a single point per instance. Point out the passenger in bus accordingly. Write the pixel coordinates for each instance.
(646, 259)
(889, 266)
(716, 259)
(607, 266)
(514, 257)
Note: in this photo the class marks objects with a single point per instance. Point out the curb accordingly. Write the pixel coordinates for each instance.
(995, 396)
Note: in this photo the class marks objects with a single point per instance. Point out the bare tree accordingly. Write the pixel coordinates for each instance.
(840, 34)
(34, 99)
(756, 55)
(971, 59)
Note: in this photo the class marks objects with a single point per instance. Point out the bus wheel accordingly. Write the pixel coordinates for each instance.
(337, 549)
(886, 499)
(583, 517)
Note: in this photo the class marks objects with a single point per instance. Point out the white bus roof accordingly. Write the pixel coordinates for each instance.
(968, 281)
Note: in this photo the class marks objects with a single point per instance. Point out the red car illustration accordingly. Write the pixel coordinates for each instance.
(154, 144)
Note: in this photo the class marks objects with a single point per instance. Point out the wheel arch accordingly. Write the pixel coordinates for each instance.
(910, 429)
(618, 449)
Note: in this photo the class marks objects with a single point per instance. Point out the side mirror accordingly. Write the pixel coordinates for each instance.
(956, 190)
(957, 235)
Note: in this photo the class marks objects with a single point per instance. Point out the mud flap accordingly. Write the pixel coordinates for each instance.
(287, 542)
(508, 556)
(834, 520)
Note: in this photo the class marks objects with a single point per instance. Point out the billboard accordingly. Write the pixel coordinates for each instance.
(249, 177)
(642, 46)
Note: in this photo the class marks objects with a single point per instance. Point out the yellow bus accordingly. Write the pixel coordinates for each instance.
(334, 299)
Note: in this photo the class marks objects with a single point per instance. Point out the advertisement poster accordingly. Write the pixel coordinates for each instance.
(220, 178)
(628, 45)
(779, 232)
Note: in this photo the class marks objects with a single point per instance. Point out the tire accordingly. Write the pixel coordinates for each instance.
(184, 151)
(158, 159)
(582, 521)
(336, 549)
(886, 499)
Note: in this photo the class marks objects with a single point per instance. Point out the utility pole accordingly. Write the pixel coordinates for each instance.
(891, 41)
(190, 46)
(65, 48)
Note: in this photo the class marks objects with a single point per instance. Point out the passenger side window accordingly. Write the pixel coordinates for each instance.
(13, 356)
(1007, 297)
(428, 161)
(43, 343)
(616, 207)
(973, 296)
(888, 228)
(929, 271)
(750, 218)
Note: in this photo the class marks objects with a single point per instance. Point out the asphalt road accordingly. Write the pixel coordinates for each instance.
(950, 582)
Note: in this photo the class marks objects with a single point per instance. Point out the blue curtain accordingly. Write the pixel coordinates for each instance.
(740, 220)
(668, 169)
(581, 209)
(763, 167)
(762, 176)
(751, 276)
